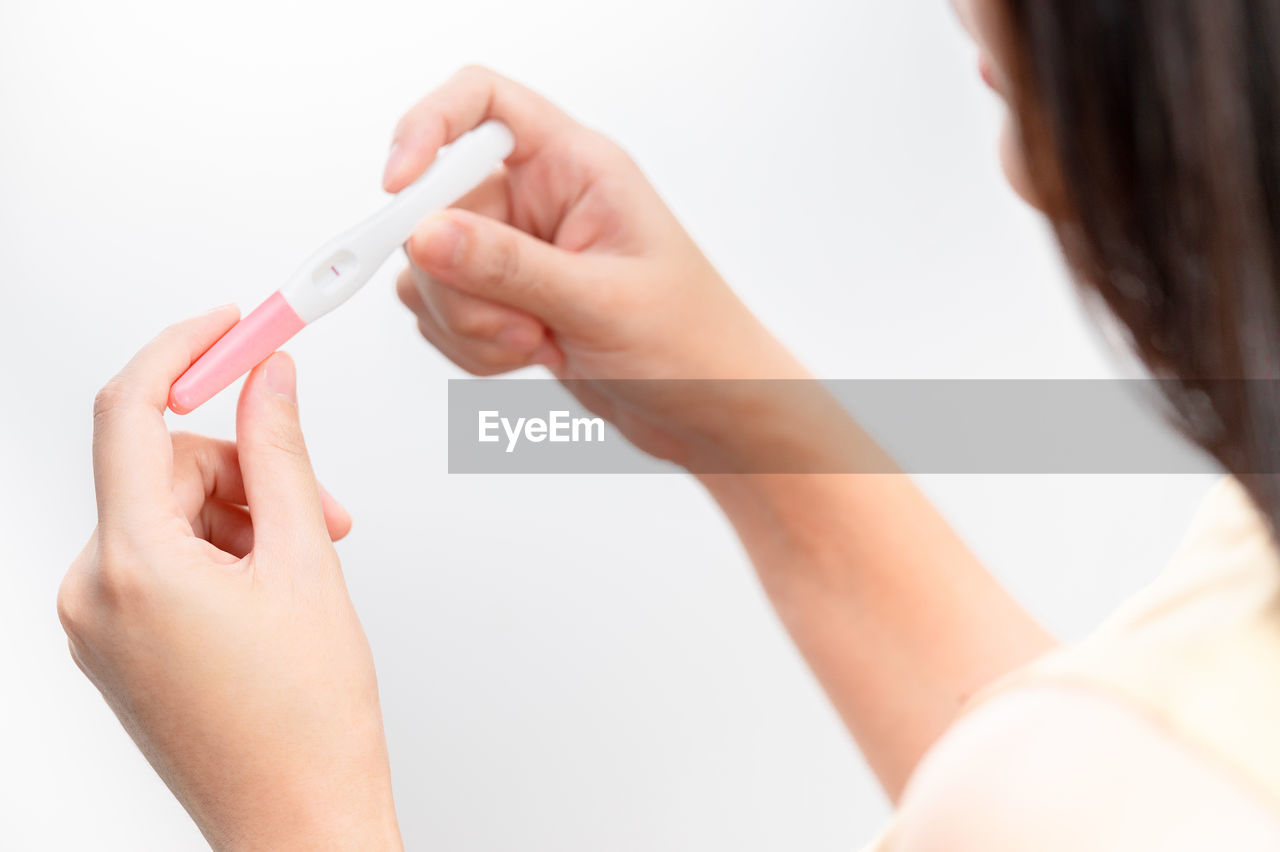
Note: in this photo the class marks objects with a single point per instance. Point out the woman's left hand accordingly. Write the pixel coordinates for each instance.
(210, 610)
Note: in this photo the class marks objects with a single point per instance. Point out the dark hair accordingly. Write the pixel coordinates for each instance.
(1152, 131)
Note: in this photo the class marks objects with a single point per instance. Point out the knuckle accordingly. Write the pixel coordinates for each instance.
(118, 575)
(509, 260)
(110, 552)
(501, 264)
(466, 319)
(284, 439)
(186, 443)
(104, 577)
(109, 397)
(608, 150)
(475, 72)
(71, 602)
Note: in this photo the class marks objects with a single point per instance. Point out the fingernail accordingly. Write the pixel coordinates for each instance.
(519, 337)
(438, 241)
(395, 158)
(223, 307)
(282, 377)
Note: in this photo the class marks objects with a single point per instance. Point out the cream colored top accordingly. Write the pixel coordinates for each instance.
(1197, 654)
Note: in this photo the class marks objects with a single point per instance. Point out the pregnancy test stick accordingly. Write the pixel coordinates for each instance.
(335, 272)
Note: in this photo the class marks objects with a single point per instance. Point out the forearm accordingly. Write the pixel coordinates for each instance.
(897, 618)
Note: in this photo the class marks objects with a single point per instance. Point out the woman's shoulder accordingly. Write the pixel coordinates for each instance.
(1051, 767)
(1198, 650)
(1157, 731)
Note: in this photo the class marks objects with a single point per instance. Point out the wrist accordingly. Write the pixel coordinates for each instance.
(754, 408)
(351, 821)
(343, 802)
(776, 426)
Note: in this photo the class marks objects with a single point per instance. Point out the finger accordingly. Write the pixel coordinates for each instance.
(468, 98)
(207, 469)
(407, 291)
(471, 317)
(496, 262)
(284, 498)
(132, 456)
(229, 527)
(226, 526)
(477, 356)
(491, 198)
(337, 520)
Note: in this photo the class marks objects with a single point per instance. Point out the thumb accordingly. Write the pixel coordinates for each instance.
(284, 499)
(492, 260)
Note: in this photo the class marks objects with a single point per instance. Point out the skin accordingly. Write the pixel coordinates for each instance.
(211, 580)
(209, 609)
(983, 21)
(572, 244)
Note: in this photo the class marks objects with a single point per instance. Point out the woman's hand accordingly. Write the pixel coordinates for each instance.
(210, 610)
(568, 257)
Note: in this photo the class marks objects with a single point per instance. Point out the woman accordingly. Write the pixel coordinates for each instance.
(210, 609)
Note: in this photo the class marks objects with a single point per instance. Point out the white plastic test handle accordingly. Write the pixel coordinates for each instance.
(343, 265)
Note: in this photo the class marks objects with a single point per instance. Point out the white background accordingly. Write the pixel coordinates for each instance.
(576, 663)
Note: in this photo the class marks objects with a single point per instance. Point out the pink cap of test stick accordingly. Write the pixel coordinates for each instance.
(242, 348)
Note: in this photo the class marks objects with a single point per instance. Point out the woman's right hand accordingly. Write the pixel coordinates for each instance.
(567, 257)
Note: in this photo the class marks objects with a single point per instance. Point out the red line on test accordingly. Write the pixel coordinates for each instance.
(335, 271)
